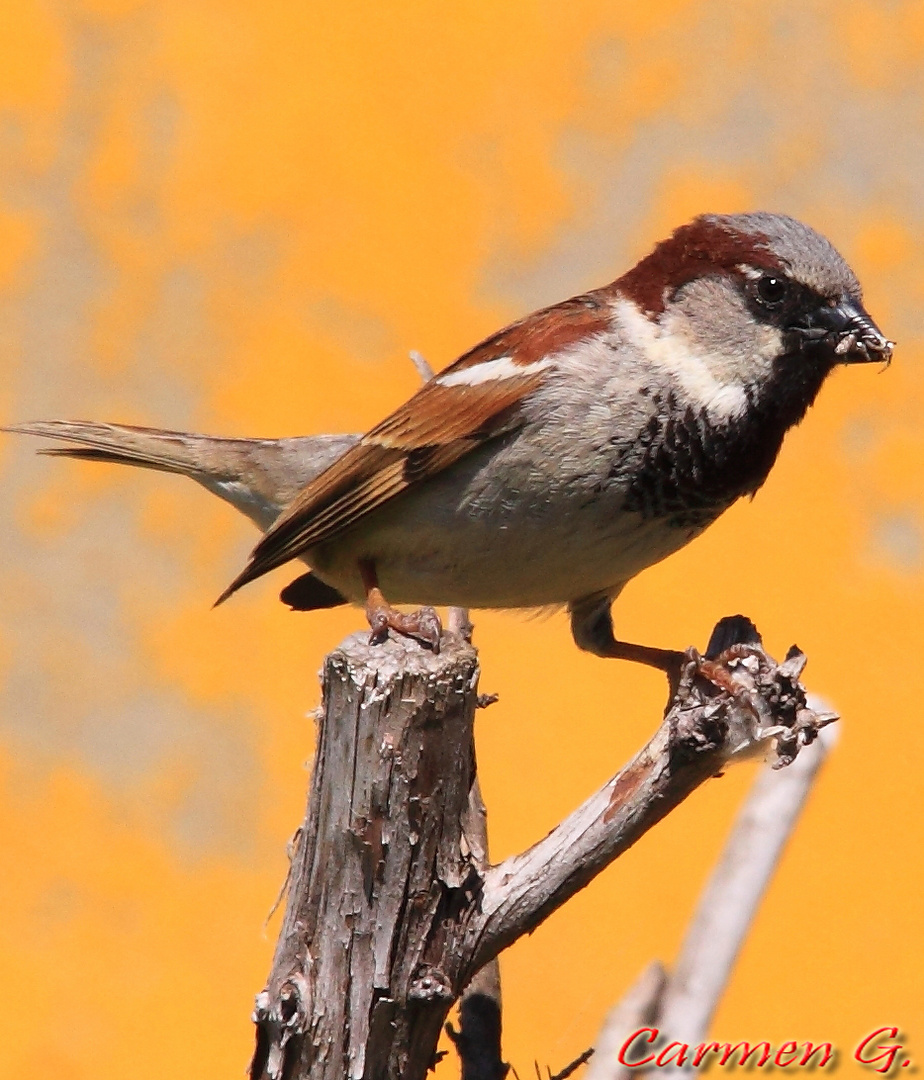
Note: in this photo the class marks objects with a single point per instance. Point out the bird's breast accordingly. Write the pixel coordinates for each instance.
(513, 525)
(687, 468)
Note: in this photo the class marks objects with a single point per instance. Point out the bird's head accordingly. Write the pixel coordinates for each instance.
(757, 301)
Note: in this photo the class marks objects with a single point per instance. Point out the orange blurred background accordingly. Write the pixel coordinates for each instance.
(238, 218)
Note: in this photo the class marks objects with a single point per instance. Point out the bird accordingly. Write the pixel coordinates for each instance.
(560, 457)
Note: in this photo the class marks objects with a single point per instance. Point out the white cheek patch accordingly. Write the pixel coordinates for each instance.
(675, 354)
(490, 370)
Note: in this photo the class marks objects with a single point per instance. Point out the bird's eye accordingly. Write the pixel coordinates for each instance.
(771, 290)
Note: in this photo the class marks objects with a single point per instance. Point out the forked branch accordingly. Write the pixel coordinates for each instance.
(391, 910)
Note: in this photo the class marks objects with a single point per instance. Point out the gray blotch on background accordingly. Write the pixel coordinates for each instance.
(74, 685)
(898, 539)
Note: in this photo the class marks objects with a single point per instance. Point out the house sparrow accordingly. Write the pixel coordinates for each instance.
(560, 457)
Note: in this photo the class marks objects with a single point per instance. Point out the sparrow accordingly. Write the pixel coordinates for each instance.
(553, 462)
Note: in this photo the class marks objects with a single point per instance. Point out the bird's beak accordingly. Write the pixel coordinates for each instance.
(853, 335)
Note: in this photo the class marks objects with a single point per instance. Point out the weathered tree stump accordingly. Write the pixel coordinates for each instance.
(358, 986)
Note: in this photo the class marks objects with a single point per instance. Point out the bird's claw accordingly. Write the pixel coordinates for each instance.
(764, 702)
(717, 672)
(423, 625)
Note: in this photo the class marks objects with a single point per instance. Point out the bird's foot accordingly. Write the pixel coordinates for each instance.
(767, 701)
(422, 625)
(734, 638)
(717, 672)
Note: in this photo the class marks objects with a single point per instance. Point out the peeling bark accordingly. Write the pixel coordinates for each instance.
(357, 987)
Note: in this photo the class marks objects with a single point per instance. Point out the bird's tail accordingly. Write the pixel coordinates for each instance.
(257, 476)
(276, 470)
(149, 448)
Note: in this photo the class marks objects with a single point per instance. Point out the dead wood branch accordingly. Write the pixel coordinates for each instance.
(732, 896)
(680, 1005)
(478, 1040)
(637, 1009)
(391, 910)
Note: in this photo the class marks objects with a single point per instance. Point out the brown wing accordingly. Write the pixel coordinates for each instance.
(435, 428)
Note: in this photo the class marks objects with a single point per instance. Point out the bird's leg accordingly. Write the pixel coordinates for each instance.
(423, 624)
(733, 638)
(592, 627)
(670, 661)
